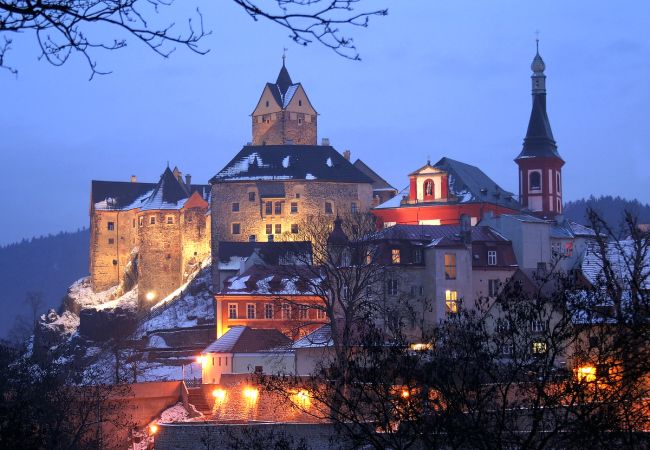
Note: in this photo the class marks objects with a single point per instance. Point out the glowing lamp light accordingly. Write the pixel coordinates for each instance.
(302, 398)
(219, 395)
(153, 428)
(150, 295)
(586, 374)
(251, 394)
(405, 393)
(200, 359)
(420, 347)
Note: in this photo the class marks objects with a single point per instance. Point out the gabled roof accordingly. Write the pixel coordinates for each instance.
(290, 162)
(320, 337)
(241, 339)
(269, 280)
(378, 183)
(430, 233)
(170, 193)
(272, 253)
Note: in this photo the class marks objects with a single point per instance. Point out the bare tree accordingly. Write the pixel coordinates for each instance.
(63, 27)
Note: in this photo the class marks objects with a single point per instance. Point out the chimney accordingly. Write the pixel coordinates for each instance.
(465, 229)
(188, 180)
(134, 179)
(346, 154)
(325, 141)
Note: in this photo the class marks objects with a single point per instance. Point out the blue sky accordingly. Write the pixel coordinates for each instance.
(438, 78)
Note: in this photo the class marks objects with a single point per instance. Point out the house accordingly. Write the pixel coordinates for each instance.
(245, 350)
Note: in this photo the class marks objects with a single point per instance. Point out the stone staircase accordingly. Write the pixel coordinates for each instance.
(197, 397)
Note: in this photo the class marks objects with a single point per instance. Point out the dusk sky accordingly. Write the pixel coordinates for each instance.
(437, 78)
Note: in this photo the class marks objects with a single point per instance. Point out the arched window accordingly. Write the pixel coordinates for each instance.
(429, 189)
(535, 181)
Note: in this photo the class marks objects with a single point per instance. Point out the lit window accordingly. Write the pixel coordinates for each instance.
(294, 207)
(328, 208)
(269, 228)
(294, 228)
(278, 228)
(450, 266)
(268, 208)
(286, 311)
(492, 258)
(393, 287)
(251, 196)
(451, 301)
(303, 312)
(140, 220)
(152, 220)
(354, 208)
(493, 288)
(395, 256)
(539, 347)
(268, 311)
(232, 311)
(111, 226)
(586, 374)
(236, 228)
(278, 207)
(250, 311)
(235, 207)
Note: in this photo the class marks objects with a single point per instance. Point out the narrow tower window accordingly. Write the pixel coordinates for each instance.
(535, 181)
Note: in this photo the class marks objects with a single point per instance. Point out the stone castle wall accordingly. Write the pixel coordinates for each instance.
(281, 127)
(195, 239)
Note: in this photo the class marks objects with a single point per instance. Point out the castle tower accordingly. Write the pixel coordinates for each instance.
(284, 114)
(540, 164)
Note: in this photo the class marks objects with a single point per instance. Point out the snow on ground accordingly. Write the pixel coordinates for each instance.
(176, 413)
(82, 295)
(67, 323)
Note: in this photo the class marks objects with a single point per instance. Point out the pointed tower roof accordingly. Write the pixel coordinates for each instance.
(338, 237)
(539, 140)
(167, 194)
(284, 80)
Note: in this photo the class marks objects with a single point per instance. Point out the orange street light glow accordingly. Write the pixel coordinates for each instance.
(200, 359)
(150, 295)
(251, 393)
(219, 394)
(153, 428)
(586, 373)
(405, 393)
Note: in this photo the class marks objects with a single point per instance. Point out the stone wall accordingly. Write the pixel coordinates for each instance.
(195, 239)
(179, 436)
(282, 127)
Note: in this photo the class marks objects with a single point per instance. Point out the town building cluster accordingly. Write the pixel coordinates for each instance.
(451, 236)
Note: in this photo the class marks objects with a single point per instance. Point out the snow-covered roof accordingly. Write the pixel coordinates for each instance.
(320, 337)
(267, 280)
(620, 255)
(241, 339)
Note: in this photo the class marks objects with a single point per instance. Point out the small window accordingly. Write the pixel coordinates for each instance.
(133, 223)
(297, 194)
(278, 228)
(328, 208)
(115, 262)
(395, 256)
(320, 314)
(235, 207)
(354, 208)
(111, 241)
(559, 205)
(268, 208)
(286, 311)
(251, 196)
(493, 288)
(492, 257)
(140, 221)
(299, 102)
(267, 103)
(236, 228)
(451, 301)
(417, 256)
(232, 311)
(218, 359)
(152, 220)
(169, 220)
(428, 188)
(303, 312)
(294, 207)
(252, 238)
(539, 347)
(111, 226)
(268, 311)
(537, 326)
(269, 228)
(393, 287)
(250, 311)
(294, 228)
(535, 181)
(450, 266)
(269, 238)
(278, 207)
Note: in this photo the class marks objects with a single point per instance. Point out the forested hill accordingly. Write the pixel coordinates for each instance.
(610, 208)
(47, 264)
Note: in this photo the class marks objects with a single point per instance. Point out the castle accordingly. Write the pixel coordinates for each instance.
(157, 234)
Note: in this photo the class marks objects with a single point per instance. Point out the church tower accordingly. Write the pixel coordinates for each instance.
(540, 164)
(284, 114)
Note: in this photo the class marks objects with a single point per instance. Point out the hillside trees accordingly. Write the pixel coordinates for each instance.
(65, 27)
